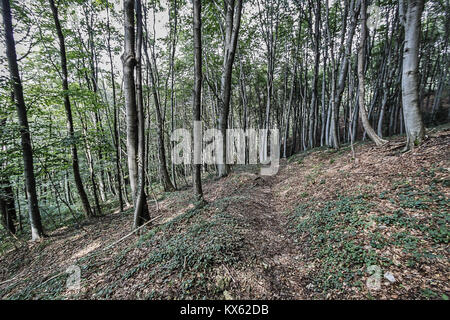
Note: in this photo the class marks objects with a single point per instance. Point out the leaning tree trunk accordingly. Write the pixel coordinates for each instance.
(414, 127)
(361, 58)
(67, 106)
(37, 231)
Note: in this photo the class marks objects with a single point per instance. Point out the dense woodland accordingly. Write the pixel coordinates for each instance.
(90, 91)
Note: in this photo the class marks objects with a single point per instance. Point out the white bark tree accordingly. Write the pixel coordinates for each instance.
(411, 13)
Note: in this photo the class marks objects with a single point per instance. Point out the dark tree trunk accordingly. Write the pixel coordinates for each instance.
(197, 175)
(141, 213)
(361, 54)
(37, 231)
(233, 10)
(67, 106)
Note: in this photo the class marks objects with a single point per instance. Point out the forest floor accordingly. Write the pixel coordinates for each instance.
(322, 228)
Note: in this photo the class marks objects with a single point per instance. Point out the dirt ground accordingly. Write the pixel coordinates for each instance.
(268, 260)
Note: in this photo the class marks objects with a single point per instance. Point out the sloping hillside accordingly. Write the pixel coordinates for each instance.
(318, 230)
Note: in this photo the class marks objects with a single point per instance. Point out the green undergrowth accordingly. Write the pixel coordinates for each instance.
(185, 250)
(330, 230)
(50, 288)
(345, 236)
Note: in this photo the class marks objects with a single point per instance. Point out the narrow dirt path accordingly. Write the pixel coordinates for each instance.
(278, 271)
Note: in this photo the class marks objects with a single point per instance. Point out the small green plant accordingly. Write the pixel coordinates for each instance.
(330, 230)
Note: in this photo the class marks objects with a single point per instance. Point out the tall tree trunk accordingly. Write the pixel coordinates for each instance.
(314, 95)
(141, 213)
(116, 118)
(7, 207)
(129, 62)
(164, 173)
(65, 83)
(37, 231)
(172, 83)
(414, 127)
(354, 11)
(361, 58)
(233, 10)
(197, 176)
(8, 213)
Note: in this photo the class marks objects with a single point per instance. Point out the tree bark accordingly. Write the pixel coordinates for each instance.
(70, 128)
(197, 176)
(116, 118)
(314, 95)
(172, 84)
(141, 212)
(233, 10)
(361, 58)
(414, 127)
(37, 231)
(354, 10)
(129, 62)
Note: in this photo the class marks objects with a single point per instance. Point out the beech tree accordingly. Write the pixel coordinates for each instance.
(411, 13)
(68, 108)
(232, 13)
(37, 231)
(361, 59)
(197, 27)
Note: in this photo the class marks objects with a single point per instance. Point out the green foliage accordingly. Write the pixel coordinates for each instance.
(188, 247)
(330, 229)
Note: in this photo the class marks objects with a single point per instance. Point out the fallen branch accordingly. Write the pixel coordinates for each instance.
(131, 233)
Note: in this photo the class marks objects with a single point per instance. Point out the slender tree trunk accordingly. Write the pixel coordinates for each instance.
(354, 10)
(68, 108)
(37, 231)
(314, 95)
(361, 55)
(141, 213)
(7, 208)
(172, 84)
(233, 10)
(116, 119)
(197, 176)
(164, 173)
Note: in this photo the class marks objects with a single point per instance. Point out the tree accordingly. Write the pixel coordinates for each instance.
(314, 96)
(411, 16)
(37, 231)
(160, 118)
(68, 108)
(8, 213)
(129, 62)
(233, 10)
(141, 213)
(342, 76)
(197, 175)
(115, 117)
(361, 59)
